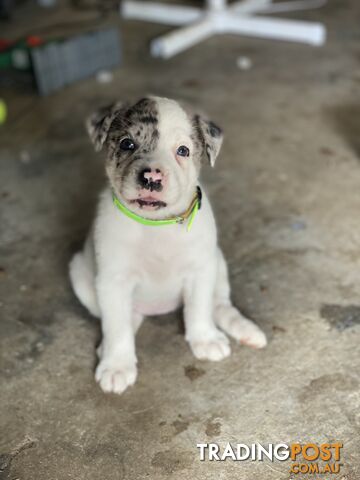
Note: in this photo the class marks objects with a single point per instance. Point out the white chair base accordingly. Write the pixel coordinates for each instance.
(220, 18)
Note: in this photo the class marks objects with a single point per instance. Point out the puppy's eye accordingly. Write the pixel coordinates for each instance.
(127, 144)
(183, 151)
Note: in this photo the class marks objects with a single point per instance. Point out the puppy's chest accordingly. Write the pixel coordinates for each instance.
(160, 261)
(161, 270)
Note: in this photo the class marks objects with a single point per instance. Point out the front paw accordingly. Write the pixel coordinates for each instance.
(239, 327)
(214, 347)
(115, 376)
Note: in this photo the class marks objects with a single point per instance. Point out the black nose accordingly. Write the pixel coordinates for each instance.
(150, 179)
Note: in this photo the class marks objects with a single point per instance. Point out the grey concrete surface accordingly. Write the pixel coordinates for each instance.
(286, 191)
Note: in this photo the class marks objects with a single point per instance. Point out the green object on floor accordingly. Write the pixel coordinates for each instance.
(3, 112)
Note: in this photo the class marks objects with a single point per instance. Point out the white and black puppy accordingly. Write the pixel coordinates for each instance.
(141, 256)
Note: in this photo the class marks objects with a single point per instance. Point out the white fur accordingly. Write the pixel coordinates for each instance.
(128, 270)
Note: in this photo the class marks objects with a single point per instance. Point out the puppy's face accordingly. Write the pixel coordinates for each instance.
(154, 153)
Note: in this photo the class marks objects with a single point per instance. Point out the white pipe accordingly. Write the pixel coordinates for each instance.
(279, 29)
(175, 42)
(293, 6)
(160, 13)
(250, 6)
(216, 5)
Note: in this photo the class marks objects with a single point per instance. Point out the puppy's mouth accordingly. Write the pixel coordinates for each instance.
(149, 203)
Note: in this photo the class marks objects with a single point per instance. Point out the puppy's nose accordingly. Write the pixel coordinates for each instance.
(151, 179)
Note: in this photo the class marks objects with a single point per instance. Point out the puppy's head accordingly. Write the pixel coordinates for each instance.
(154, 151)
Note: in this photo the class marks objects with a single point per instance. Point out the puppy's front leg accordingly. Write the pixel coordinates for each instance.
(206, 341)
(117, 367)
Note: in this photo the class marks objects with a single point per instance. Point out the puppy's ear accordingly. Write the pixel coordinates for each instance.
(98, 124)
(211, 137)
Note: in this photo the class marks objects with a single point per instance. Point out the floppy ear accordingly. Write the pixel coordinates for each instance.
(211, 137)
(98, 124)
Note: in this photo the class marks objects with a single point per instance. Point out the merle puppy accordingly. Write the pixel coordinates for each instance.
(153, 244)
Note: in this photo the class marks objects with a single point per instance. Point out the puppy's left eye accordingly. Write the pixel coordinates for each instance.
(183, 151)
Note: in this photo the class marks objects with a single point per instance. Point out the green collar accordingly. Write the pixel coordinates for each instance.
(189, 214)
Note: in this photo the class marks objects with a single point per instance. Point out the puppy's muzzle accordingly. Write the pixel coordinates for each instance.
(151, 179)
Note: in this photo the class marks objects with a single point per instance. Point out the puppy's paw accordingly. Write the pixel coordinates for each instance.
(115, 376)
(214, 347)
(229, 319)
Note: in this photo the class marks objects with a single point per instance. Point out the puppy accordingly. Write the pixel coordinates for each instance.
(153, 245)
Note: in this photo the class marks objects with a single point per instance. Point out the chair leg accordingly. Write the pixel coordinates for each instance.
(179, 40)
(160, 13)
(277, 29)
(293, 6)
(244, 7)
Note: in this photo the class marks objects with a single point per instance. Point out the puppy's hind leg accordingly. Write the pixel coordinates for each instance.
(227, 317)
(82, 276)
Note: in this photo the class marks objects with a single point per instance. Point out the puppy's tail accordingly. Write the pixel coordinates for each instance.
(83, 282)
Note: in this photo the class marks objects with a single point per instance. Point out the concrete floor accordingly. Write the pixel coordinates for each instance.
(286, 194)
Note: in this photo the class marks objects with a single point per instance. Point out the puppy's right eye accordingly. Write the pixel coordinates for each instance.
(127, 144)
(183, 151)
